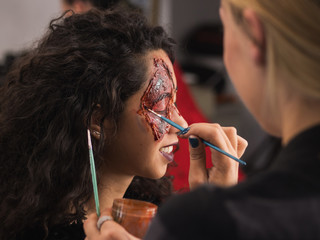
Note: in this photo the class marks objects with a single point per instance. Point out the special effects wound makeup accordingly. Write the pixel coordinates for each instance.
(93, 174)
(159, 97)
(205, 142)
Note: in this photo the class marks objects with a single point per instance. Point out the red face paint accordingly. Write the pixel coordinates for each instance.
(159, 98)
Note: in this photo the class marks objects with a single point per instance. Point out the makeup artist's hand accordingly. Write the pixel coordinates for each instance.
(225, 170)
(110, 230)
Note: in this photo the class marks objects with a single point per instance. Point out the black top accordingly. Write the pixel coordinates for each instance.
(59, 232)
(281, 203)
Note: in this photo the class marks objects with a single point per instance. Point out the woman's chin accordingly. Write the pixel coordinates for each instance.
(158, 174)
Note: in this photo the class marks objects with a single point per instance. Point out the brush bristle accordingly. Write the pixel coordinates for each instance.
(154, 112)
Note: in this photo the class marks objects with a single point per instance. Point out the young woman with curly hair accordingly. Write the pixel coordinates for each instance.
(96, 71)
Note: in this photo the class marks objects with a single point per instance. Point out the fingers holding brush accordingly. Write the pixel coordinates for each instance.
(225, 169)
(237, 142)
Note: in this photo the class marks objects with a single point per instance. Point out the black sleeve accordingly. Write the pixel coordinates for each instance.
(200, 214)
(158, 231)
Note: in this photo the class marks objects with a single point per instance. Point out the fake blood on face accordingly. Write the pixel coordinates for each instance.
(159, 98)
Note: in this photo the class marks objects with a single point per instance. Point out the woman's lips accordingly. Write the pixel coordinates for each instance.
(169, 150)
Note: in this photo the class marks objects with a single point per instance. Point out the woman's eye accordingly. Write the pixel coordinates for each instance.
(160, 106)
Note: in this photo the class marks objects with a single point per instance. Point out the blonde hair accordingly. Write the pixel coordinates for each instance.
(292, 40)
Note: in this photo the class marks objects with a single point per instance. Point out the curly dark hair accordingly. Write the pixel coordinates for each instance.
(46, 106)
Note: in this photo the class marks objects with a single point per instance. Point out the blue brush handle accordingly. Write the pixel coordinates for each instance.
(223, 152)
(204, 141)
(172, 123)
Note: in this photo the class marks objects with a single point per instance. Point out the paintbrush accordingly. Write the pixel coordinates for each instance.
(93, 174)
(204, 141)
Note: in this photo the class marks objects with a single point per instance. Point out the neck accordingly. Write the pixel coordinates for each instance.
(112, 185)
(298, 115)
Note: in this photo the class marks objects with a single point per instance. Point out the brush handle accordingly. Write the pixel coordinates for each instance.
(172, 123)
(93, 174)
(223, 152)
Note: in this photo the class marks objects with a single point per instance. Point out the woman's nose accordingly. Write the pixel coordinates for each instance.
(177, 118)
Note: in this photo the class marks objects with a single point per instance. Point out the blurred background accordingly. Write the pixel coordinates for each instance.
(196, 27)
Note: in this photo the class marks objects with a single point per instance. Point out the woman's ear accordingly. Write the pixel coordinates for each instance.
(256, 32)
(95, 122)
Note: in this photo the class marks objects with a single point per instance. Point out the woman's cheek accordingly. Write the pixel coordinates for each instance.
(142, 123)
(147, 121)
(159, 127)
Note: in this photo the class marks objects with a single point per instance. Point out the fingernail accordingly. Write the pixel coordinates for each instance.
(184, 131)
(194, 142)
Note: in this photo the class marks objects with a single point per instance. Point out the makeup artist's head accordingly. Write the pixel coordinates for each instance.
(271, 51)
(91, 71)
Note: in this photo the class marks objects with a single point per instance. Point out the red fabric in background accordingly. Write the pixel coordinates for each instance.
(191, 114)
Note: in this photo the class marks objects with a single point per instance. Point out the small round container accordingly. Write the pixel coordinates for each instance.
(134, 215)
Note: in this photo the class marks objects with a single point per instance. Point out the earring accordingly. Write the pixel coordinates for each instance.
(96, 133)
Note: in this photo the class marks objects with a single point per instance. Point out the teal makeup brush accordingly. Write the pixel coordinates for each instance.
(93, 174)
